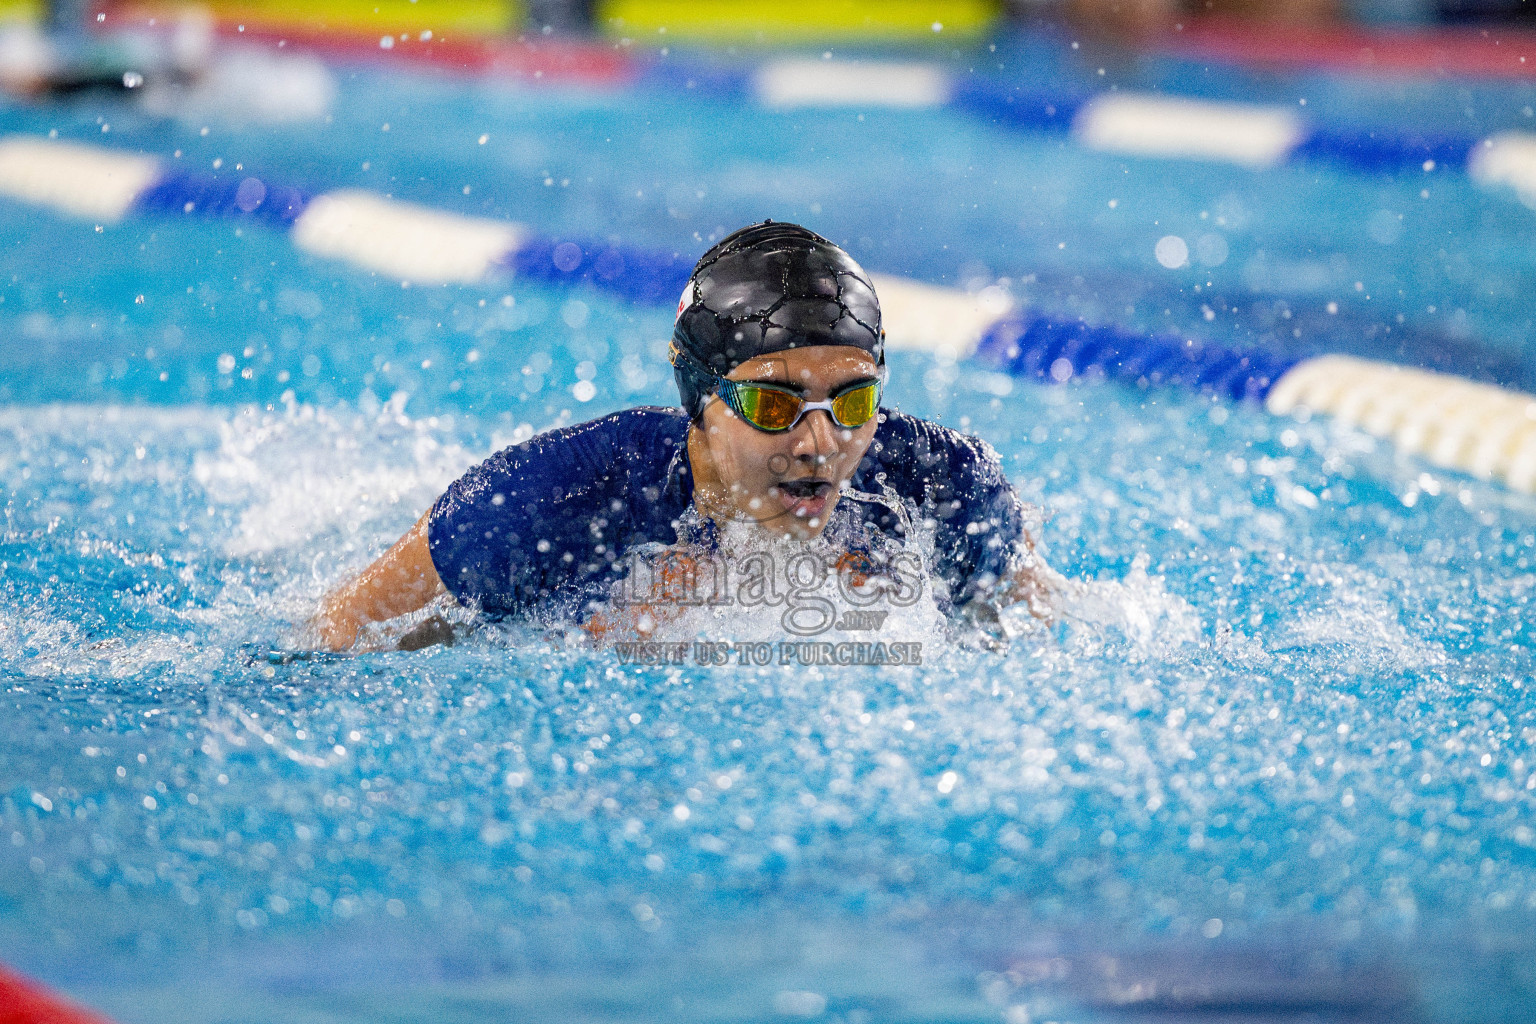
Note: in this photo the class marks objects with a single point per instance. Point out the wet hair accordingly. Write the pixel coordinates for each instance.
(767, 288)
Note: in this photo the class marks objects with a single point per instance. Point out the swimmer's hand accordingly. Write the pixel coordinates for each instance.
(1035, 585)
(674, 581)
(400, 581)
(332, 628)
(1040, 589)
(624, 624)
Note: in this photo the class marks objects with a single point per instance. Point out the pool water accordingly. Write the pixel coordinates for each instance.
(1274, 765)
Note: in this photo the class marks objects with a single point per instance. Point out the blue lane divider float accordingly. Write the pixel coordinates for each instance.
(640, 275)
(223, 197)
(1476, 428)
(1049, 350)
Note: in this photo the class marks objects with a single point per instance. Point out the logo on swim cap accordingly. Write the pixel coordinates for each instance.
(683, 302)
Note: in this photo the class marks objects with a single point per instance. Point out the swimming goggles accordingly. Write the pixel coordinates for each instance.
(774, 408)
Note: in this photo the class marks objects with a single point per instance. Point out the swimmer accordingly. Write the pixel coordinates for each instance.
(779, 358)
(62, 58)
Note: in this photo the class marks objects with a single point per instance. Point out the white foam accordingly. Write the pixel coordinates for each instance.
(84, 181)
(802, 82)
(38, 641)
(411, 243)
(301, 473)
(930, 318)
(1364, 633)
(1251, 136)
(1506, 159)
(1137, 609)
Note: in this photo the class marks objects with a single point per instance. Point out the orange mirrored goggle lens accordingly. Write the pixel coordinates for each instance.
(766, 408)
(773, 410)
(857, 407)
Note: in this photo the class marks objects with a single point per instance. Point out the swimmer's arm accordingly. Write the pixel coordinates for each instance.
(400, 581)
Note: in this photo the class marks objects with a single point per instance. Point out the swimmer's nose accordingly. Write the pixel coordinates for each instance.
(816, 436)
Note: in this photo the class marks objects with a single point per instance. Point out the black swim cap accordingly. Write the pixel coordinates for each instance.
(767, 288)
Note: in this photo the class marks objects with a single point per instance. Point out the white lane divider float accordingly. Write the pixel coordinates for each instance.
(84, 181)
(1486, 431)
(409, 242)
(1160, 126)
(1507, 159)
(802, 82)
(945, 321)
(1480, 429)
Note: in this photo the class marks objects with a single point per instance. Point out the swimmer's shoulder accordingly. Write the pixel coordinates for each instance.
(560, 478)
(663, 420)
(642, 431)
(903, 439)
(611, 451)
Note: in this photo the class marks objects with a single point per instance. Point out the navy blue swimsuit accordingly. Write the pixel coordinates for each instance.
(540, 529)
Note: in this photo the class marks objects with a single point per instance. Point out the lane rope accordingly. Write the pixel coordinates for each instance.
(1487, 431)
(1158, 126)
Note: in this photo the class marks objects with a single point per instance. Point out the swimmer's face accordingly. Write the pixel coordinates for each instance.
(787, 482)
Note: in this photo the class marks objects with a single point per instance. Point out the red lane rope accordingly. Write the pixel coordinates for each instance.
(26, 1002)
(557, 60)
(1481, 53)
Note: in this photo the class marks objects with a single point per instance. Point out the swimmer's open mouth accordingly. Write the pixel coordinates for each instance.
(807, 488)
